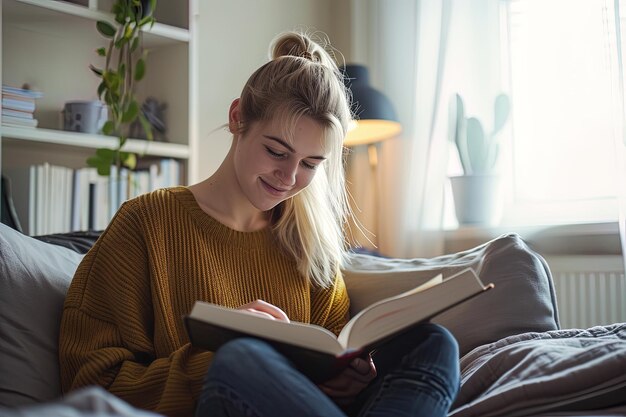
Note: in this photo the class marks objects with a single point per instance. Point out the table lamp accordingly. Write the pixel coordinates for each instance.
(376, 120)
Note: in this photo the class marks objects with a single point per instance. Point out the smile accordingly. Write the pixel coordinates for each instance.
(273, 190)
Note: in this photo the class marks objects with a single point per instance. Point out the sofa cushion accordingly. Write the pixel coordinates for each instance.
(34, 277)
(523, 299)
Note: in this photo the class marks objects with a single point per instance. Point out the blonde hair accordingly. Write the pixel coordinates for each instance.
(302, 79)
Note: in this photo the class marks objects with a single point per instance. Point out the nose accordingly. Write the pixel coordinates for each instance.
(287, 172)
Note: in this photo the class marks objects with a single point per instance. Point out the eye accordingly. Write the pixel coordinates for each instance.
(309, 166)
(273, 153)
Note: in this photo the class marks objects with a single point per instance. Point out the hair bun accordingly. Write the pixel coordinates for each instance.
(299, 45)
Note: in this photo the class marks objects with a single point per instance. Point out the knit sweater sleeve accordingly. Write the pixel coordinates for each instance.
(107, 328)
(330, 306)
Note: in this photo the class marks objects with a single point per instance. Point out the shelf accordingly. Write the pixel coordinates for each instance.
(57, 16)
(92, 141)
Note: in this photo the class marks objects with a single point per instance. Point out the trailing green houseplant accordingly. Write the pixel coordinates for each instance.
(124, 67)
(478, 149)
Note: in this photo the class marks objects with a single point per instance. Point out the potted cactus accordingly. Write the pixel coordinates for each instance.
(476, 192)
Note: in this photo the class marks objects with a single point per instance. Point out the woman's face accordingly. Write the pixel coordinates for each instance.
(271, 168)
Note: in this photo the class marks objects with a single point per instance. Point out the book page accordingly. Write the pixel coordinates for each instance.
(343, 336)
(437, 279)
(394, 314)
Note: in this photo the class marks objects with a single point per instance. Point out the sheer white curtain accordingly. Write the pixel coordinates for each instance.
(615, 27)
(403, 43)
(419, 53)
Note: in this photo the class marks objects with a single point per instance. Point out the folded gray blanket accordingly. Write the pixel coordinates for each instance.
(549, 372)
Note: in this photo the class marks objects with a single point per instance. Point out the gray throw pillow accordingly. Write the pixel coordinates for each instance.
(523, 299)
(34, 277)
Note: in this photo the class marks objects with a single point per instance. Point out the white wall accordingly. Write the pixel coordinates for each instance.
(233, 40)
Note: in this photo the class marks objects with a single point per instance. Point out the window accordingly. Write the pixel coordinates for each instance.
(562, 153)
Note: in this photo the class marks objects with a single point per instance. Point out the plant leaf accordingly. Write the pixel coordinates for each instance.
(140, 69)
(101, 89)
(108, 128)
(477, 146)
(128, 159)
(113, 81)
(104, 170)
(101, 51)
(93, 161)
(102, 166)
(135, 44)
(118, 11)
(105, 28)
(459, 126)
(130, 114)
(96, 71)
(105, 154)
(128, 33)
(147, 127)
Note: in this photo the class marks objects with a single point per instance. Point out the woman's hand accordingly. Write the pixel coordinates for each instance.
(344, 388)
(267, 310)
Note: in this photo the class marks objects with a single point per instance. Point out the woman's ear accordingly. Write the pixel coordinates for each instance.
(234, 117)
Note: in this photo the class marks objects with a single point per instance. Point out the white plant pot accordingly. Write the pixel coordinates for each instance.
(477, 199)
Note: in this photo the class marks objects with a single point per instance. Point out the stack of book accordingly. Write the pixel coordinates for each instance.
(18, 106)
(55, 199)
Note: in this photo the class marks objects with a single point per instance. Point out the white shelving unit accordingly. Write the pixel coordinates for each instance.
(92, 141)
(49, 44)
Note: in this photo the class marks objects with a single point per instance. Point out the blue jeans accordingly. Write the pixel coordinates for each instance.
(418, 375)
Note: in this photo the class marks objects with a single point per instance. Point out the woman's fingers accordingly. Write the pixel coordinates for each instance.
(351, 380)
(259, 313)
(364, 366)
(265, 309)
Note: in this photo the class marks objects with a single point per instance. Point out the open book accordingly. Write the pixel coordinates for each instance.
(316, 351)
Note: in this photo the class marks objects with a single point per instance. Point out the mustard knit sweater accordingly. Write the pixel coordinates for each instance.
(122, 322)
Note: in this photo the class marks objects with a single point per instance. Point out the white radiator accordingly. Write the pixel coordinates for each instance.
(590, 289)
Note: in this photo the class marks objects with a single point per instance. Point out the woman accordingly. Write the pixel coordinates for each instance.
(264, 233)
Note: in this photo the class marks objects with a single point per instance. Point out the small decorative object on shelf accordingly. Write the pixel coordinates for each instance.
(84, 116)
(154, 112)
(125, 66)
(476, 193)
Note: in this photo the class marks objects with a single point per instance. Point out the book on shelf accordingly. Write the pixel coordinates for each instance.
(54, 199)
(18, 106)
(17, 113)
(23, 193)
(24, 93)
(19, 121)
(317, 352)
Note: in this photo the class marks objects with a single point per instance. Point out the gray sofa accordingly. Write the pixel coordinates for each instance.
(510, 341)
